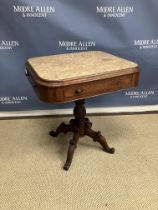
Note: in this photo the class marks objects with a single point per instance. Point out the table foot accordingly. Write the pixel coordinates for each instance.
(70, 153)
(62, 128)
(97, 137)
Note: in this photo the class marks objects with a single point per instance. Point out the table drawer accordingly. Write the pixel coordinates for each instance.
(97, 87)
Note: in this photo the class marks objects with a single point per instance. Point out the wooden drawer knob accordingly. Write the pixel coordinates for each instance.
(78, 91)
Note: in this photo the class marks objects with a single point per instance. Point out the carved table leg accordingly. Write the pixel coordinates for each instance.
(72, 147)
(96, 136)
(62, 128)
(80, 126)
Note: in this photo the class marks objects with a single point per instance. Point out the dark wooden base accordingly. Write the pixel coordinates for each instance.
(80, 126)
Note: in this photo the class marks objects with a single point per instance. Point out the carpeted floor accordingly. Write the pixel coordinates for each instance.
(32, 178)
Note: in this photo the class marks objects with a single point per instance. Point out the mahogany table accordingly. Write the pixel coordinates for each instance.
(74, 77)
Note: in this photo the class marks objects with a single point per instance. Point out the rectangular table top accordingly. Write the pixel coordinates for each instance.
(82, 65)
(68, 77)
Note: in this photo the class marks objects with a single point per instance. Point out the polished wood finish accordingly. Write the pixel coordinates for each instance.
(80, 126)
(114, 74)
(74, 77)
